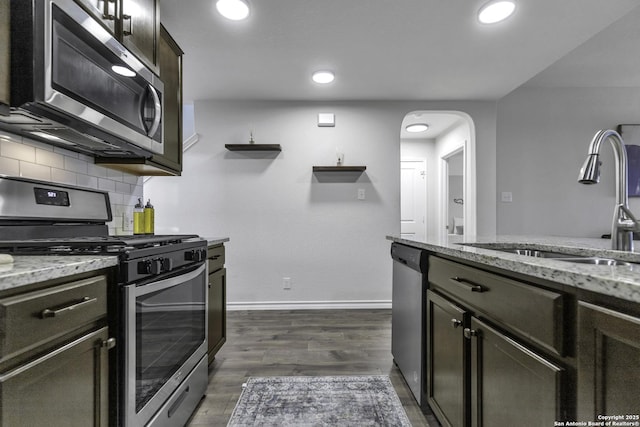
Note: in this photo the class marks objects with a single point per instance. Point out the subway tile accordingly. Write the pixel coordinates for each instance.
(37, 144)
(87, 181)
(85, 157)
(97, 171)
(18, 151)
(49, 158)
(63, 176)
(123, 188)
(75, 165)
(115, 175)
(116, 198)
(34, 171)
(138, 191)
(9, 166)
(106, 184)
(132, 179)
(65, 152)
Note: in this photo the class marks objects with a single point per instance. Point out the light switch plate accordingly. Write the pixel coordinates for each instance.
(507, 197)
(326, 120)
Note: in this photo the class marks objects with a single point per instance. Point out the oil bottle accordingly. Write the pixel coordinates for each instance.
(149, 214)
(138, 218)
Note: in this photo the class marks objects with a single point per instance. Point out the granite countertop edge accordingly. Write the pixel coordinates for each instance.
(617, 281)
(29, 269)
(216, 240)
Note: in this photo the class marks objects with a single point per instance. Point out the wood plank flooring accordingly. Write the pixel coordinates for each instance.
(301, 342)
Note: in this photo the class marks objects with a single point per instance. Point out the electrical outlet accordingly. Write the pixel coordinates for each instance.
(127, 222)
(361, 194)
(286, 283)
(507, 197)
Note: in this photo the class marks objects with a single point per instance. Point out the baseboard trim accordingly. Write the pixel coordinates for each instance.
(307, 305)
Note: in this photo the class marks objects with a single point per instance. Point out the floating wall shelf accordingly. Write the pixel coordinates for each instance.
(253, 147)
(339, 168)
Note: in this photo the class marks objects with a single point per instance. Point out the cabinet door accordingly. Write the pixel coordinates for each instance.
(66, 387)
(140, 29)
(608, 362)
(217, 311)
(104, 11)
(510, 384)
(4, 57)
(170, 64)
(447, 361)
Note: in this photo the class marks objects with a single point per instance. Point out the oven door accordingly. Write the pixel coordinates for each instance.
(165, 328)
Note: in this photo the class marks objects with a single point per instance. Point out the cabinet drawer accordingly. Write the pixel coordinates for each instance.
(533, 313)
(215, 256)
(33, 318)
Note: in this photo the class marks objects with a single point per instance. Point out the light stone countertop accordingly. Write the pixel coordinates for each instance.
(621, 281)
(28, 269)
(215, 240)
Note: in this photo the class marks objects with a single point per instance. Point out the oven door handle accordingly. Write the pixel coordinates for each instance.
(170, 282)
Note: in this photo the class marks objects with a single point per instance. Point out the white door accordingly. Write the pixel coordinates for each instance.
(413, 199)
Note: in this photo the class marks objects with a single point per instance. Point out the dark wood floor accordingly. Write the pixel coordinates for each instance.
(304, 342)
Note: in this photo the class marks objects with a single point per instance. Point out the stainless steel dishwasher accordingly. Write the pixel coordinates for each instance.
(407, 322)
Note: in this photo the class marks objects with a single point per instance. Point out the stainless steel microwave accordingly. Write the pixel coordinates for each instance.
(74, 85)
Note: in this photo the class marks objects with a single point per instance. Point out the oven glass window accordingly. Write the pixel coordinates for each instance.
(170, 326)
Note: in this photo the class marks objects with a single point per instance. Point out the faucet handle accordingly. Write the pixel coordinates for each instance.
(626, 220)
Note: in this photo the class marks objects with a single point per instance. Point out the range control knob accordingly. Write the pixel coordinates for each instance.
(144, 267)
(152, 266)
(167, 264)
(197, 255)
(156, 266)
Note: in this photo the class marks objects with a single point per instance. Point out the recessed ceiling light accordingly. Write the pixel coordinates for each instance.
(496, 11)
(417, 127)
(123, 71)
(236, 10)
(323, 77)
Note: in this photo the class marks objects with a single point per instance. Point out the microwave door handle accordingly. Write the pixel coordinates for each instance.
(158, 111)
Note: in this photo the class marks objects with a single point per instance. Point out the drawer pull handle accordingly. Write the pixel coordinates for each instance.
(47, 312)
(108, 344)
(468, 333)
(456, 323)
(468, 284)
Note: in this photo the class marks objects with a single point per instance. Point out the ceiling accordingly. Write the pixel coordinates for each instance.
(383, 49)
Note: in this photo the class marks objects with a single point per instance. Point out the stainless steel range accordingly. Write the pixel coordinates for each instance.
(157, 308)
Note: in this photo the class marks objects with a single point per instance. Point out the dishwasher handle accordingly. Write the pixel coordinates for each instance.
(415, 259)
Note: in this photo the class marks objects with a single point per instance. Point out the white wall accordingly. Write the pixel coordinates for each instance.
(285, 222)
(31, 159)
(542, 141)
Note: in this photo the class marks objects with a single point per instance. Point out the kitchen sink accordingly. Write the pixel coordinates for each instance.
(535, 253)
(596, 261)
(560, 256)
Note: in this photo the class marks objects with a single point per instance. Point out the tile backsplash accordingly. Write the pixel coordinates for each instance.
(27, 158)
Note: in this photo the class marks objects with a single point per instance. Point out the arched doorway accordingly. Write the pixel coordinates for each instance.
(433, 163)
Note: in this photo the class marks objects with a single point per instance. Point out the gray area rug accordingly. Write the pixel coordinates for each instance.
(319, 401)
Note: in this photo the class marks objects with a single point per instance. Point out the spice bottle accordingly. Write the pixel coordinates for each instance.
(149, 218)
(138, 218)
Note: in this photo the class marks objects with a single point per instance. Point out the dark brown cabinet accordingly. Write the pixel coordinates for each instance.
(447, 361)
(511, 385)
(54, 365)
(135, 23)
(139, 29)
(217, 312)
(608, 363)
(4, 57)
(486, 364)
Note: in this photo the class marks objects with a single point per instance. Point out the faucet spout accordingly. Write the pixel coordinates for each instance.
(624, 223)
